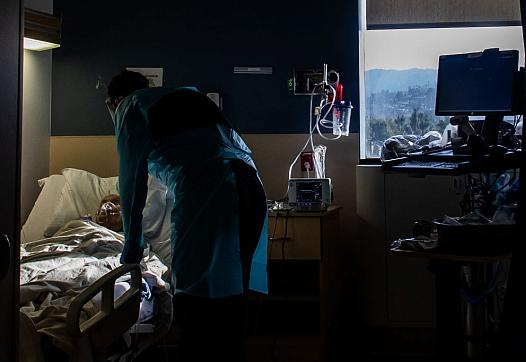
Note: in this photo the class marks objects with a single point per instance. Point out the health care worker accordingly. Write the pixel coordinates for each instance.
(219, 217)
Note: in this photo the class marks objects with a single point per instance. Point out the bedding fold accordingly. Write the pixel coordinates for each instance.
(55, 270)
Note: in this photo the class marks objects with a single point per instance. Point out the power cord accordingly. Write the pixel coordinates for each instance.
(273, 237)
(285, 237)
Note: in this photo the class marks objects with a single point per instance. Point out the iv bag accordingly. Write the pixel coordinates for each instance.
(341, 118)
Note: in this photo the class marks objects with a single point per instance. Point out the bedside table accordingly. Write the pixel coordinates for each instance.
(301, 247)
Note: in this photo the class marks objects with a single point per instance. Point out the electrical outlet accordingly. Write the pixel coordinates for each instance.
(307, 161)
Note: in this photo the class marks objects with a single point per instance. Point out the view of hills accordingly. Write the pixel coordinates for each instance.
(399, 102)
(398, 93)
(377, 80)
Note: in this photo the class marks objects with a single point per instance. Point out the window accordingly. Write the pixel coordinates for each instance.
(398, 76)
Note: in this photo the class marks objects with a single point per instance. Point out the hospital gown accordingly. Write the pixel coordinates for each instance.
(196, 164)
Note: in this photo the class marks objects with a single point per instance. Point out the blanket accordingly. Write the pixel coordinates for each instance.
(56, 269)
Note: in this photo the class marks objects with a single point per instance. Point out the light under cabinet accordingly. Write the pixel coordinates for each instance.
(42, 31)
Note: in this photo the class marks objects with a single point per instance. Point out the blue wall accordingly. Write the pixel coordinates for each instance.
(198, 43)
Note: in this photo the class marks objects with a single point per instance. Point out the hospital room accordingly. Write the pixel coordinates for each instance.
(262, 181)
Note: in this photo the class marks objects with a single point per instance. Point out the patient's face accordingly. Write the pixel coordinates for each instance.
(109, 213)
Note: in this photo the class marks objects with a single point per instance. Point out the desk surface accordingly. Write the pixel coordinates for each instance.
(298, 213)
(445, 162)
(442, 255)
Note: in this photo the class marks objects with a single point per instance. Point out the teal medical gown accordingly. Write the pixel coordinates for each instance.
(196, 165)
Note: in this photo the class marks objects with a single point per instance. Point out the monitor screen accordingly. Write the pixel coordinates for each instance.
(482, 83)
(309, 192)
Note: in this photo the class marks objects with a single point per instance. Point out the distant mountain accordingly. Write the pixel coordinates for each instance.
(377, 80)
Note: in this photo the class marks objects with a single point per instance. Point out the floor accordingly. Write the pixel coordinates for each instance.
(290, 332)
(261, 349)
(283, 348)
(290, 349)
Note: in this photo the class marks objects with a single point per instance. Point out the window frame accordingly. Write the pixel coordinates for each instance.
(363, 28)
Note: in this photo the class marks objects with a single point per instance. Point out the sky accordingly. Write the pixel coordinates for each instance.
(420, 48)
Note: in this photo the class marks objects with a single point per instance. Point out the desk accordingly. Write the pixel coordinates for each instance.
(301, 254)
(452, 339)
(453, 165)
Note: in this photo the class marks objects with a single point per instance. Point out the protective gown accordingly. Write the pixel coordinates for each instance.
(196, 165)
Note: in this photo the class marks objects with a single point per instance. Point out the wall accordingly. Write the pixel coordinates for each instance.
(199, 44)
(36, 118)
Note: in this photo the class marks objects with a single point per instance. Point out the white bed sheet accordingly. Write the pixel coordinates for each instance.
(54, 270)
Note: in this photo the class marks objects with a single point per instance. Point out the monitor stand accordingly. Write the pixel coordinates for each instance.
(476, 137)
(490, 129)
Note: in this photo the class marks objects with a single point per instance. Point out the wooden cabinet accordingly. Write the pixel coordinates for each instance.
(302, 271)
(295, 237)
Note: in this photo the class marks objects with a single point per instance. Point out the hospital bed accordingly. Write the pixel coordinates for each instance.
(73, 303)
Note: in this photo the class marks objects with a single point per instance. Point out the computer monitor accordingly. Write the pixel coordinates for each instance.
(483, 83)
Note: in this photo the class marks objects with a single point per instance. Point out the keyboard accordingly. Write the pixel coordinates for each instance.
(437, 165)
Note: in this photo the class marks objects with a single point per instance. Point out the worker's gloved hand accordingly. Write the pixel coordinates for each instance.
(131, 255)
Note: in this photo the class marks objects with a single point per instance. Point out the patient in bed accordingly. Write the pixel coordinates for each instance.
(109, 213)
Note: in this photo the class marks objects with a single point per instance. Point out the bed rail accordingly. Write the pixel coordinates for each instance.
(115, 316)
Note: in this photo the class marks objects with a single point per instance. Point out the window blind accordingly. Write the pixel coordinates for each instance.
(400, 14)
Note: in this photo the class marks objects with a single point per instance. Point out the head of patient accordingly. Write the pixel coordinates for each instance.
(109, 213)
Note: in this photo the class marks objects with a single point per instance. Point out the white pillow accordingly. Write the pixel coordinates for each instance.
(76, 193)
(80, 196)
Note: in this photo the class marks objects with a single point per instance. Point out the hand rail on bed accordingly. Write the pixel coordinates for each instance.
(115, 317)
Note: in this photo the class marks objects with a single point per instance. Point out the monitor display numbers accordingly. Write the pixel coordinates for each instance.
(309, 192)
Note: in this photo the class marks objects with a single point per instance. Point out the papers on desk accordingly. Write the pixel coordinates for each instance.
(417, 244)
